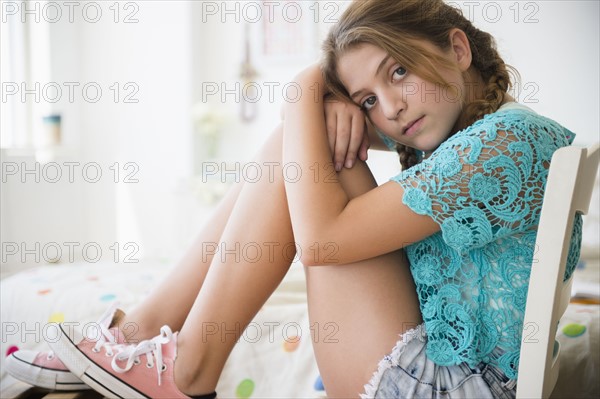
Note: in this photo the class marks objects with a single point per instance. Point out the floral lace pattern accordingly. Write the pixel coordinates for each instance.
(484, 187)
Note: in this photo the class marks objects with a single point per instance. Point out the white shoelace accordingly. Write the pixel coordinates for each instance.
(150, 348)
(103, 336)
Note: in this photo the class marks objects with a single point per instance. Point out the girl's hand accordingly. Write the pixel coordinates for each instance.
(346, 131)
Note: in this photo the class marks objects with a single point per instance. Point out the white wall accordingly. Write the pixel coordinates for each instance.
(554, 45)
(153, 135)
(170, 52)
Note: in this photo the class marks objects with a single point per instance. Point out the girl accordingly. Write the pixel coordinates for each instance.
(440, 254)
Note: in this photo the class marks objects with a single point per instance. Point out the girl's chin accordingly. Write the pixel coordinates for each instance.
(427, 146)
(423, 147)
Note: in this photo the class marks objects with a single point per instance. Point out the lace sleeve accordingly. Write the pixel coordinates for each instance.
(487, 181)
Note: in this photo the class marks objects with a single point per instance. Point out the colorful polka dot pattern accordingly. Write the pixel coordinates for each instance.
(319, 384)
(56, 317)
(245, 388)
(108, 298)
(291, 344)
(573, 330)
(11, 349)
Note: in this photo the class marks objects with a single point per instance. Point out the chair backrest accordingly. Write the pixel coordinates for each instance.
(568, 190)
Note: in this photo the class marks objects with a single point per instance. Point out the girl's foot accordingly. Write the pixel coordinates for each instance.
(46, 370)
(143, 370)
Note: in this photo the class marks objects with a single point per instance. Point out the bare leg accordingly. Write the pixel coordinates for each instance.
(256, 250)
(356, 311)
(378, 292)
(182, 285)
(343, 300)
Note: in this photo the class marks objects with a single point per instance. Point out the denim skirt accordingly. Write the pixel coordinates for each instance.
(407, 372)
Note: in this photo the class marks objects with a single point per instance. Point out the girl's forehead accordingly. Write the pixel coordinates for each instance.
(359, 58)
(363, 50)
(359, 64)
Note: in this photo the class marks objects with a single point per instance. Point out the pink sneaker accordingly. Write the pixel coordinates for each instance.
(144, 370)
(46, 370)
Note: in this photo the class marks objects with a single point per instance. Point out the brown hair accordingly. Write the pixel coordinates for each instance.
(395, 26)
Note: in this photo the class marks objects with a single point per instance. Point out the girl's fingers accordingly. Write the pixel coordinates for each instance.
(356, 139)
(342, 141)
(331, 125)
(346, 134)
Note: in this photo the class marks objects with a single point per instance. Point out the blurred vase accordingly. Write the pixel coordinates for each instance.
(208, 126)
(208, 145)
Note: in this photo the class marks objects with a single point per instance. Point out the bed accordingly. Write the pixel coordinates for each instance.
(274, 357)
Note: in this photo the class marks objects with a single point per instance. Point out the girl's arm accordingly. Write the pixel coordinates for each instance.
(324, 220)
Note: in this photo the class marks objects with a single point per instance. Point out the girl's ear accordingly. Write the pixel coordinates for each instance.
(461, 49)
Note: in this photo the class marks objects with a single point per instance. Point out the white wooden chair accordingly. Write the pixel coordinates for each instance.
(568, 190)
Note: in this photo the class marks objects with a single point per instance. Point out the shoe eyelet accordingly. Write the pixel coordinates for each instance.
(95, 350)
(109, 354)
(50, 357)
(149, 365)
(137, 362)
(163, 368)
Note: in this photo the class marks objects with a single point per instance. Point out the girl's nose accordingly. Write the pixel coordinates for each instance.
(391, 105)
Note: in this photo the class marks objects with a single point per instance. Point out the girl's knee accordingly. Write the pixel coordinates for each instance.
(272, 149)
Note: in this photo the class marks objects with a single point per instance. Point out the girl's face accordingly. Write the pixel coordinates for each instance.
(408, 109)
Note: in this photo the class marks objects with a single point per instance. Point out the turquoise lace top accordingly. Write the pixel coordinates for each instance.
(484, 187)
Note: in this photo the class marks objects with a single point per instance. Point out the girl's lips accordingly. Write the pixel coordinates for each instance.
(412, 128)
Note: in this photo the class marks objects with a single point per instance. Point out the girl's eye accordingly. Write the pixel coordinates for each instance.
(399, 73)
(368, 103)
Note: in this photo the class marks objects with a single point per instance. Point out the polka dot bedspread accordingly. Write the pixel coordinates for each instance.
(273, 358)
